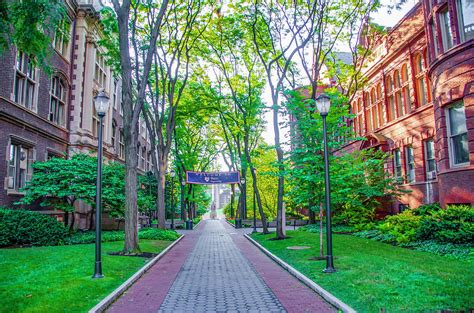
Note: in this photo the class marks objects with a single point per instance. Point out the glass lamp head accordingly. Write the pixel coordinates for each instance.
(172, 174)
(101, 103)
(323, 104)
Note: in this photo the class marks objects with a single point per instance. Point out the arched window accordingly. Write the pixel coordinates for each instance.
(57, 104)
(373, 109)
(368, 115)
(391, 98)
(113, 138)
(357, 111)
(379, 100)
(420, 80)
(398, 93)
(406, 89)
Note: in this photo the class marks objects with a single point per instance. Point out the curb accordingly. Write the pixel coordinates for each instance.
(308, 282)
(229, 223)
(104, 304)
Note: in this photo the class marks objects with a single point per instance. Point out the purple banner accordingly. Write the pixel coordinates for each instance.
(210, 178)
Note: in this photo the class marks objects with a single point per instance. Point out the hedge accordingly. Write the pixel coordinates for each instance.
(21, 227)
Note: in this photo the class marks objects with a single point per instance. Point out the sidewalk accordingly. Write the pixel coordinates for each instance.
(215, 269)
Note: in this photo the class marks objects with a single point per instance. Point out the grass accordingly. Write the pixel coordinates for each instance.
(58, 279)
(372, 275)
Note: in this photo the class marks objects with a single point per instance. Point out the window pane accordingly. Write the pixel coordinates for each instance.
(457, 120)
(460, 148)
(466, 16)
(446, 30)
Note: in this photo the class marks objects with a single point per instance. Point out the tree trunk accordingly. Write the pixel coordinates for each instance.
(259, 201)
(160, 202)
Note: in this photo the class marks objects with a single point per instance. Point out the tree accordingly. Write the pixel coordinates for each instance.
(182, 25)
(30, 26)
(59, 183)
(239, 78)
(134, 27)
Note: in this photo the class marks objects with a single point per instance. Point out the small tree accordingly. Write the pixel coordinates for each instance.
(59, 183)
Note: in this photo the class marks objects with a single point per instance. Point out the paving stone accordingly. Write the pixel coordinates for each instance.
(218, 275)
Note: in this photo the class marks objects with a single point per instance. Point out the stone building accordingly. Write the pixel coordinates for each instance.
(418, 103)
(44, 116)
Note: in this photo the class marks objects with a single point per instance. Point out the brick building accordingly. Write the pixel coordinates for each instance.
(44, 116)
(418, 103)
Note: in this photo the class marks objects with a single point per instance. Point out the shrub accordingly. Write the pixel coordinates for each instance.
(359, 217)
(403, 226)
(376, 234)
(21, 227)
(427, 209)
(145, 233)
(453, 225)
(457, 251)
(158, 234)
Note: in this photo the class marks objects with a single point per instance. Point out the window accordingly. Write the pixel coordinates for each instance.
(57, 106)
(368, 115)
(435, 37)
(114, 132)
(398, 94)
(99, 74)
(430, 161)
(114, 93)
(148, 162)
(410, 164)
(457, 133)
(446, 31)
(406, 89)
(420, 84)
(465, 10)
(143, 159)
(357, 110)
(379, 103)
(19, 166)
(95, 121)
(121, 145)
(25, 82)
(61, 38)
(397, 163)
(391, 99)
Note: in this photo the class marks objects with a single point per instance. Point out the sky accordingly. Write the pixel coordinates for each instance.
(382, 18)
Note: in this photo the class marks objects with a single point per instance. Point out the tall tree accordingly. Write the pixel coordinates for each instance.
(182, 26)
(137, 28)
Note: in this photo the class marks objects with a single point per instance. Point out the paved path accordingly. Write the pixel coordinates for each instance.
(215, 269)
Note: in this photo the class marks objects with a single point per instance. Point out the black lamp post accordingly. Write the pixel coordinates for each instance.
(323, 104)
(183, 204)
(172, 174)
(101, 102)
(254, 207)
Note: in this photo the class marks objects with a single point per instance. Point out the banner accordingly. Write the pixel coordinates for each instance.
(207, 178)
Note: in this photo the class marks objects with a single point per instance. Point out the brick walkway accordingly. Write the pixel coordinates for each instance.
(215, 269)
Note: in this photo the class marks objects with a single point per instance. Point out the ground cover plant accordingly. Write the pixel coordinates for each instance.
(107, 236)
(373, 275)
(58, 279)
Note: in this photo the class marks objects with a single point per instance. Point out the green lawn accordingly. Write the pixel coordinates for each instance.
(372, 275)
(58, 279)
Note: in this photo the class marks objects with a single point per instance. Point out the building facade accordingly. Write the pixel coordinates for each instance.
(417, 104)
(44, 116)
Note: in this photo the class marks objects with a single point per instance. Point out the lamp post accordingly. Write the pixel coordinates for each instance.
(172, 174)
(183, 203)
(254, 206)
(323, 104)
(101, 102)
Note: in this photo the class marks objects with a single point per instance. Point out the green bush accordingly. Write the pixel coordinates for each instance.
(21, 227)
(453, 225)
(158, 234)
(457, 251)
(427, 209)
(358, 217)
(145, 233)
(404, 226)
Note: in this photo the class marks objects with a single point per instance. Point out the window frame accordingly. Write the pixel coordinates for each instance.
(397, 163)
(426, 144)
(28, 75)
(30, 154)
(446, 29)
(452, 156)
(410, 172)
(460, 22)
(54, 116)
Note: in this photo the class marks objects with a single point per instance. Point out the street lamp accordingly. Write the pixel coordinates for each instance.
(183, 203)
(172, 174)
(323, 104)
(254, 208)
(101, 102)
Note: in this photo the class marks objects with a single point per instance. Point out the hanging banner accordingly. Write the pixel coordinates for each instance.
(210, 178)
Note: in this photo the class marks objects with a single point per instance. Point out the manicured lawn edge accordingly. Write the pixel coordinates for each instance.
(107, 301)
(229, 223)
(308, 282)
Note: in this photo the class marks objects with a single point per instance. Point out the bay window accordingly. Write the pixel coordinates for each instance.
(457, 134)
